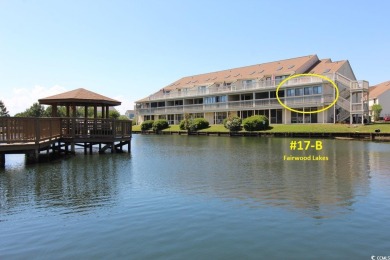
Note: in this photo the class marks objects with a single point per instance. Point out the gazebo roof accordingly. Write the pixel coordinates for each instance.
(79, 97)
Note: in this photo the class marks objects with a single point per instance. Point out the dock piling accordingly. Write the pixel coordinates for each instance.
(2, 160)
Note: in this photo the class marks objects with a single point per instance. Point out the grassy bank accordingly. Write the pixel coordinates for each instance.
(299, 128)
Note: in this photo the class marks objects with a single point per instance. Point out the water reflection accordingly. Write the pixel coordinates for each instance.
(252, 170)
(75, 185)
(247, 171)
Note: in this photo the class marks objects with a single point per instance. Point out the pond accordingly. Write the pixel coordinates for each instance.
(193, 197)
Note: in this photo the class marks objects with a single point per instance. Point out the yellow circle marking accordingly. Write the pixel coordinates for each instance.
(305, 75)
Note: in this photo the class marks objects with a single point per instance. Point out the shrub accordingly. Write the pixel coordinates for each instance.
(376, 109)
(233, 123)
(193, 124)
(198, 124)
(255, 123)
(160, 125)
(146, 125)
(185, 123)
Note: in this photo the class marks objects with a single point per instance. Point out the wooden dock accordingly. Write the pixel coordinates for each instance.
(30, 136)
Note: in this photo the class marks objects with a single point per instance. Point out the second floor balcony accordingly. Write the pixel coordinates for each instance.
(318, 100)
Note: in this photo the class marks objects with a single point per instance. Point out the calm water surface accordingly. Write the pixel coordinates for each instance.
(180, 197)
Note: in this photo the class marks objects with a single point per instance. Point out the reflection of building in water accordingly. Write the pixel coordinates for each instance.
(379, 161)
(253, 170)
(78, 185)
(248, 170)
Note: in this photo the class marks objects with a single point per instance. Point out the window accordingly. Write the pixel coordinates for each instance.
(247, 96)
(317, 90)
(171, 119)
(262, 112)
(297, 117)
(276, 116)
(290, 92)
(211, 100)
(178, 102)
(308, 91)
(219, 117)
(221, 99)
(261, 95)
(202, 89)
(299, 92)
(279, 79)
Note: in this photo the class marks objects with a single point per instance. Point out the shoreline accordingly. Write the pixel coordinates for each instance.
(383, 137)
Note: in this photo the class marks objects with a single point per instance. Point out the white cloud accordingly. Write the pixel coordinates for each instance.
(19, 99)
(127, 104)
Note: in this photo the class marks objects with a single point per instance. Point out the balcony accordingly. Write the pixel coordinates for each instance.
(238, 86)
(318, 100)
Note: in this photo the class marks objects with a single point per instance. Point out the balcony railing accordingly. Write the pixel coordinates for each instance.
(318, 100)
(242, 86)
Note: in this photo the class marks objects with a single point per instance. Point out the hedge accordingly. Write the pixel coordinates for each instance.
(160, 125)
(146, 125)
(194, 124)
(255, 123)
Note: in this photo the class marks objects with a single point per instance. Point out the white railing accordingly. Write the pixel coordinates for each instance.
(361, 84)
(357, 108)
(243, 104)
(344, 103)
(238, 86)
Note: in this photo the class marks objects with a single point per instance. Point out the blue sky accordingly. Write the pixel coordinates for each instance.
(130, 49)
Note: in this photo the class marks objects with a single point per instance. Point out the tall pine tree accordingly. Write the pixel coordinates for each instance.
(3, 110)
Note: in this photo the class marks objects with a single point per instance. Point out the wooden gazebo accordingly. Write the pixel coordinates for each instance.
(80, 98)
(33, 135)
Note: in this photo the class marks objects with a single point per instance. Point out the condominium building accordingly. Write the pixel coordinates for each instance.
(251, 90)
(380, 94)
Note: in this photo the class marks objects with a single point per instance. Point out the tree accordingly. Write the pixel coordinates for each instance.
(185, 123)
(123, 117)
(3, 110)
(377, 109)
(114, 114)
(36, 110)
(61, 111)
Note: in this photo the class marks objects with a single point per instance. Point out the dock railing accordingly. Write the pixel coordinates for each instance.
(36, 130)
(95, 128)
(26, 130)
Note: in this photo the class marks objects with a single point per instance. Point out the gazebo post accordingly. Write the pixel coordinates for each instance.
(67, 110)
(73, 110)
(107, 111)
(103, 112)
(94, 111)
(95, 118)
(54, 110)
(86, 126)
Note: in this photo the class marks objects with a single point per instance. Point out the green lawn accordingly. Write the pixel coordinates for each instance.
(299, 128)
